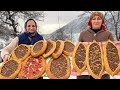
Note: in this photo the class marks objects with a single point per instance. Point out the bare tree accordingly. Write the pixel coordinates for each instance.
(10, 17)
(115, 22)
(105, 15)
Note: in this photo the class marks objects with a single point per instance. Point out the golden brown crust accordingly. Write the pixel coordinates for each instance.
(14, 75)
(51, 76)
(35, 76)
(41, 51)
(24, 57)
(52, 49)
(66, 52)
(107, 67)
(88, 66)
(79, 71)
(85, 44)
(60, 50)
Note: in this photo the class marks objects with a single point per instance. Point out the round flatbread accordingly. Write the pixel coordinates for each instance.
(21, 52)
(59, 49)
(32, 68)
(58, 68)
(51, 46)
(68, 47)
(38, 48)
(10, 69)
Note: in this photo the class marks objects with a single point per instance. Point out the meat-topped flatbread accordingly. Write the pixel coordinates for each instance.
(10, 69)
(59, 49)
(21, 52)
(32, 68)
(58, 68)
(38, 48)
(111, 58)
(95, 63)
(51, 46)
(68, 47)
(79, 58)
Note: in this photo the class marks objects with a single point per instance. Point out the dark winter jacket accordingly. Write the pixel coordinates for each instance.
(29, 38)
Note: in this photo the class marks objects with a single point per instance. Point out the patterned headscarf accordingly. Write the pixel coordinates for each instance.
(97, 14)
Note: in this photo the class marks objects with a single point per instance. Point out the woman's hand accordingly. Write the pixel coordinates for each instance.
(6, 58)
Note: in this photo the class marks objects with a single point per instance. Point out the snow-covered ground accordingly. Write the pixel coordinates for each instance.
(2, 43)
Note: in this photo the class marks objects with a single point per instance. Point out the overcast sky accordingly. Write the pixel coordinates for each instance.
(56, 19)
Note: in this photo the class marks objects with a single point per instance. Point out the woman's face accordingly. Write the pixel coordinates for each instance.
(96, 22)
(31, 27)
